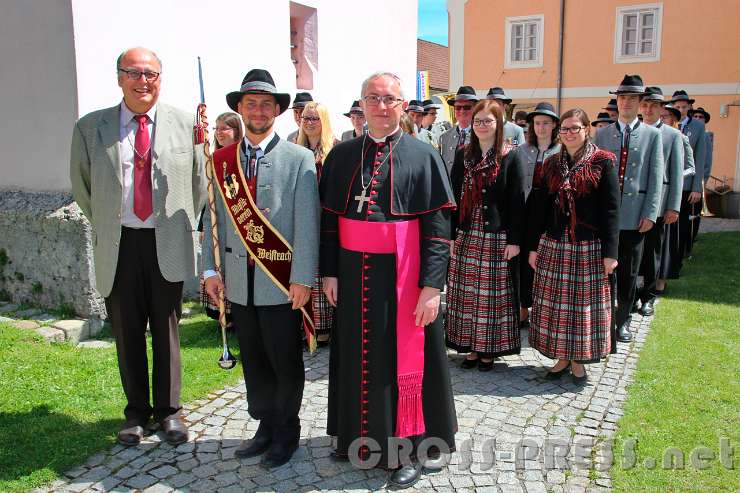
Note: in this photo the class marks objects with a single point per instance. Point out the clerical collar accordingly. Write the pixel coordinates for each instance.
(632, 125)
(392, 136)
(262, 144)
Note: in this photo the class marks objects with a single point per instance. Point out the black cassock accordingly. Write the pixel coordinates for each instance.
(411, 183)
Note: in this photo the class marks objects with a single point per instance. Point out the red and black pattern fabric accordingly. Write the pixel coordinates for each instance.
(323, 312)
(571, 310)
(482, 312)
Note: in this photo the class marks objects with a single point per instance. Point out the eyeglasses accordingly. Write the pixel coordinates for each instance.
(486, 122)
(149, 75)
(464, 108)
(572, 130)
(222, 129)
(388, 100)
(310, 119)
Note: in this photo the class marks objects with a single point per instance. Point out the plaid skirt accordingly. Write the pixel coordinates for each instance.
(323, 312)
(571, 309)
(482, 310)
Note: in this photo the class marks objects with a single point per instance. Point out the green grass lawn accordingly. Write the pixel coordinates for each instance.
(686, 392)
(60, 404)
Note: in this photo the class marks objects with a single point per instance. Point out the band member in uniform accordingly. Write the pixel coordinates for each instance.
(542, 142)
(268, 215)
(429, 122)
(482, 307)
(572, 236)
(316, 135)
(657, 252)
(693, 188)
(121, 162)
(611, 109)
(299, 102)
(639, 148)
(415, 110)
(700, 114)
(384, 251)
(357, 117)
(459, 135)
(513, 133)
(602, 120)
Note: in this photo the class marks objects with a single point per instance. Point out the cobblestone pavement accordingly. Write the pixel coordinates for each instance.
(715, 224)
(562, 434)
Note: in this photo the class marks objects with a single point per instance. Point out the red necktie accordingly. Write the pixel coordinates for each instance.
(623, 157)
(142, 170)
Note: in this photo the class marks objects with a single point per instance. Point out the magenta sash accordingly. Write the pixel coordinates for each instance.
(403, 239)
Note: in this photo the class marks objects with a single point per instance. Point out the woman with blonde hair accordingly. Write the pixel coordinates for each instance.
(315, 134)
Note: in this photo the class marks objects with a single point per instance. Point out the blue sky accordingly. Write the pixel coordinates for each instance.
(433, 21)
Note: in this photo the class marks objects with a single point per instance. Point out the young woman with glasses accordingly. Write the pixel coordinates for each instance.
(315, 133)
(572, 237)
(482, 307)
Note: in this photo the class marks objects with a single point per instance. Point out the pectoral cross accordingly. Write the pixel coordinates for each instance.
(361, 199)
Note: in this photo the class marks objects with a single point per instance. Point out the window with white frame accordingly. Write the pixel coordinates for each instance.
(523, 43)
(638, 33)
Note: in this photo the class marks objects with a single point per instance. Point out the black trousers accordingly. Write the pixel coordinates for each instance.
(272, 360)
(141, 294)
(651, 258)
(631, 243)
(687, 225)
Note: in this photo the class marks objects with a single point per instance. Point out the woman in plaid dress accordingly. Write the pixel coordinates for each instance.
(315, 134)
(572, 237)
(482, 307)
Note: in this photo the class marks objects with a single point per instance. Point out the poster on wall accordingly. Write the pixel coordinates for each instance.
(422, 85)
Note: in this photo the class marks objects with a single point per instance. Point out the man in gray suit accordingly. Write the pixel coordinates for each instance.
(651, 106)
(281, 178)
(459, 135)
(299, 102)
(639, 151)
(701, 115)
(357, 117)
(139, 179)
(513, 133)
(693, 187)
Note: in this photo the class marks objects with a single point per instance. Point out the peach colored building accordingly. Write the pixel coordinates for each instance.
(673, 44)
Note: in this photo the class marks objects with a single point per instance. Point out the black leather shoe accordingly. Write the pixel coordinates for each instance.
(175, 431)
(582, 379)
(623, 332)
(648, 308)
(131, 433)
(406, 476)
(485, 365)
(468, 364)
(554, 375)
(254, 447)
(278, 454)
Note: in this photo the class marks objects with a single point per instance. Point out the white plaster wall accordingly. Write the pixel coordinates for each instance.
(37, 102)
(352, 44)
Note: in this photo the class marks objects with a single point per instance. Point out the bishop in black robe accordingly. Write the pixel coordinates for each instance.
(396, 179)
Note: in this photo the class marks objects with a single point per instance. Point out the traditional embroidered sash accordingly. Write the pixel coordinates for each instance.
(266, 246)
(402, 239)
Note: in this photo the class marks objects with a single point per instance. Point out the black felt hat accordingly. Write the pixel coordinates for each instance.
(415, 106)
(428, 104)
(675, 111)
(682, 96)
(701, 110)
(543, 108)
(653, 93)
(498, 93)
(258, 81)
(356, 109)
(602, 118)
(300, 100)
(464, 93)
(612, 105)
(631, 84)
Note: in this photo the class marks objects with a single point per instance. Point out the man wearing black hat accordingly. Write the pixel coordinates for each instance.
(299, 102)
(602, 120)
(459, 135)
(700, 114)
(639, 151)
(611, 109)
(267, 283)
(124, 161)
(655, 257)
(357, 117)
(429, 122)
(693, 187)
(415, 110)
(513, 133)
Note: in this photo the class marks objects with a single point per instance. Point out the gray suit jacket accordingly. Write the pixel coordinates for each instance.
(673, 155)
(527, 156)
(513, 134)
(448, 145)
(348, 135)
(292, 136)
(178, 183)
(643, 176)
(696, 133)
(288, 195)
(709, 156)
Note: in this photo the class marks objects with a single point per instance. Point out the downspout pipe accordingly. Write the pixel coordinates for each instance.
(560, 55)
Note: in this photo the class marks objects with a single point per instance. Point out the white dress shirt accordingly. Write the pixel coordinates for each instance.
(127, 138)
